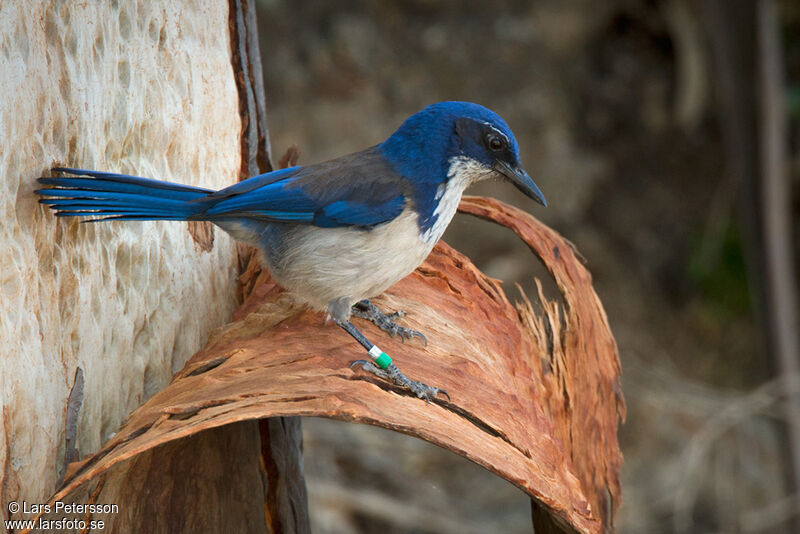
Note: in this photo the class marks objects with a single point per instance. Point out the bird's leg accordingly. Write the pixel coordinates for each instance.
(366, 310)
(383, 367)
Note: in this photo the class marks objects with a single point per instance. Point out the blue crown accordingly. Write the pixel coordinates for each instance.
(423, 145)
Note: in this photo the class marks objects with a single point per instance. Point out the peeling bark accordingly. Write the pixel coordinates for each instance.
(538, 405)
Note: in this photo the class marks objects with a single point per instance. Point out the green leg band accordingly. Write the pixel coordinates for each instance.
(382, 359)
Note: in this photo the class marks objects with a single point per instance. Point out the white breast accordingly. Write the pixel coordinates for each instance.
(322, 264)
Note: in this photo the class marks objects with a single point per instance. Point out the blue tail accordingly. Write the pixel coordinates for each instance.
(119, 196)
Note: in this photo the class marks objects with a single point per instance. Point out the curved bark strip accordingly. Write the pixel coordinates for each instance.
(535, 395)
(584, 393)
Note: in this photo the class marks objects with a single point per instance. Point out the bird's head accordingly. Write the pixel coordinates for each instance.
(463, 138)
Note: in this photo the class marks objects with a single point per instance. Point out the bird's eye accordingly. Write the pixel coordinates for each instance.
(495, 143)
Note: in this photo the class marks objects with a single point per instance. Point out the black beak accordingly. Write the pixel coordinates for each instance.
(521, 180)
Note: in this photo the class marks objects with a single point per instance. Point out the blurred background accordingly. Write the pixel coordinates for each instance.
(665, 137)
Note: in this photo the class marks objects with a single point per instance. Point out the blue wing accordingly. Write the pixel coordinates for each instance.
(356, 190)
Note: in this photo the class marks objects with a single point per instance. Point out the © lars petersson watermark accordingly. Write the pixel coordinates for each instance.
(65, 516)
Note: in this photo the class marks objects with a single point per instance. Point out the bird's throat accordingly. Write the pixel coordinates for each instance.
(463, 172)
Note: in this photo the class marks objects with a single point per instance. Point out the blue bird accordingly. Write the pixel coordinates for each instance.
(335, 233)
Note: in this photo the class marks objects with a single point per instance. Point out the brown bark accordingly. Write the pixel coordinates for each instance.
(286, 506)
(535, 396)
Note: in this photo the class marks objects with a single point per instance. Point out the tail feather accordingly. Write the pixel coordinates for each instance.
(119, 196)
(126, 178)
(111, 215)
(97, 184)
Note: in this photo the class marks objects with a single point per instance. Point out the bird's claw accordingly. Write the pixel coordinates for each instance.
(367, 310)
(393, 374)
(404, 333)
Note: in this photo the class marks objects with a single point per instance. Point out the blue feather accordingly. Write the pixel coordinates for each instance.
(109, 178)
(274, 196)
(288, 195)
(344, 212)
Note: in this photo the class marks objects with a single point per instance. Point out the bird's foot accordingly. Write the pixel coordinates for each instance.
(366, 310)
(393, 374)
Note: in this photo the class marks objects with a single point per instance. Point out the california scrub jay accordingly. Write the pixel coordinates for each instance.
(338, 232)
